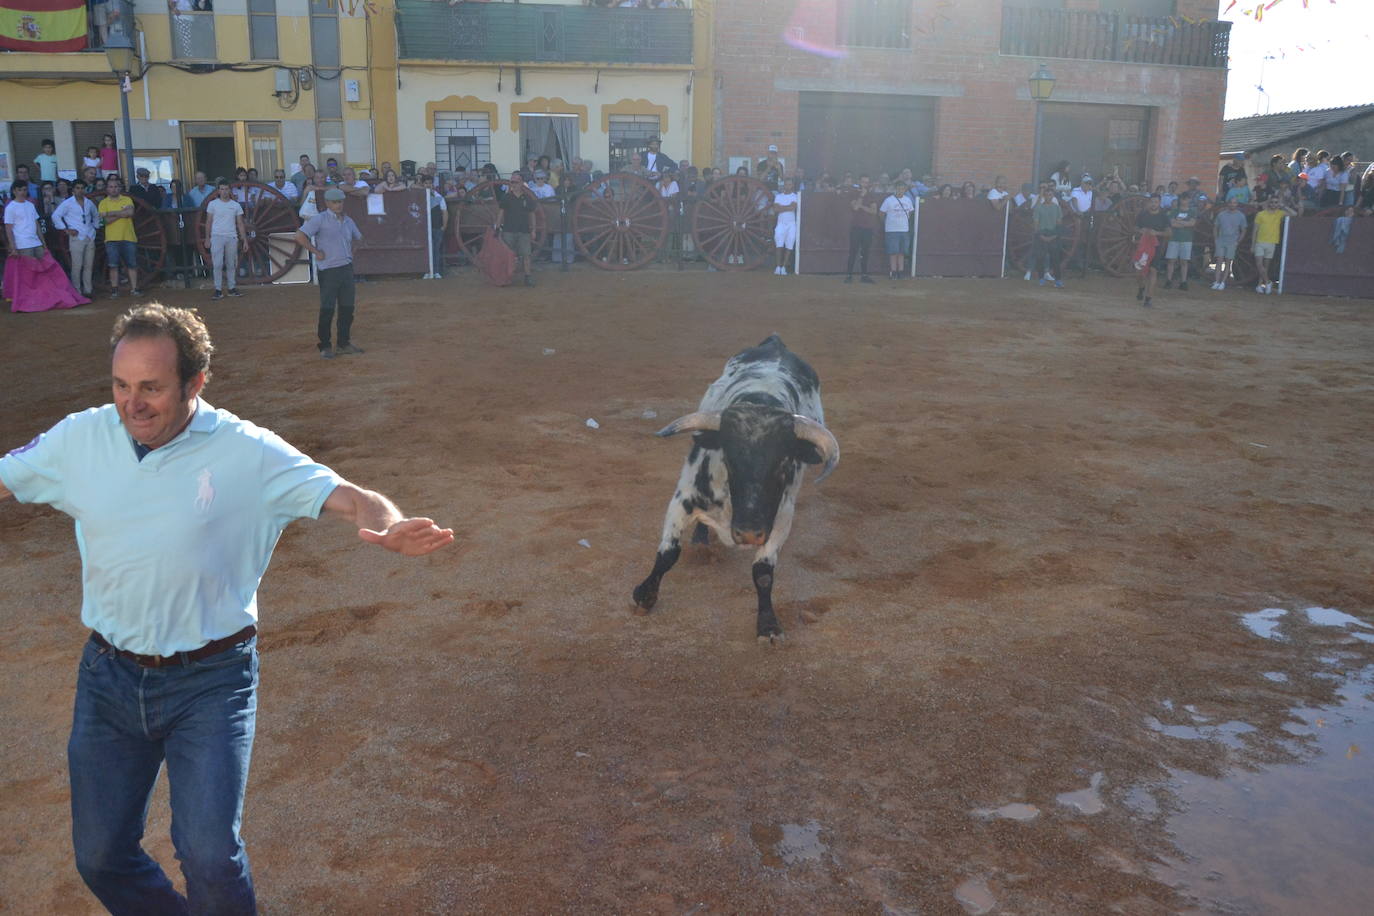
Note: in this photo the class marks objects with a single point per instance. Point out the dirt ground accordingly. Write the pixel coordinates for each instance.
(1051, 509)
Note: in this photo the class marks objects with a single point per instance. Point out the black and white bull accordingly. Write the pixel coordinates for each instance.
(756, 426)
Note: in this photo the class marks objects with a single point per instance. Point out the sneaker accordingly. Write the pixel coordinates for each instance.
(114, 293)
(327, 353)
(349, 348)
(135, 292)
(1140, 293)
(1058, 284)
(1183, 285)
(1169, 283)
(529, 280)
(1221, 285)
(1028, 276)
(1147, 303)
(1260, 289)
(849, 279)
(217, 295)
(235, 292)
(867, 279)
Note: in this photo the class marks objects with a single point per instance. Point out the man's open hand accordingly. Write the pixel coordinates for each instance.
(413, 537)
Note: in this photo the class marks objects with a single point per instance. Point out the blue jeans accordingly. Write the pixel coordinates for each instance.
(128, 720)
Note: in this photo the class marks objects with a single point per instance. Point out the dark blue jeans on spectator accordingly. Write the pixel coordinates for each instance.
(199, 719)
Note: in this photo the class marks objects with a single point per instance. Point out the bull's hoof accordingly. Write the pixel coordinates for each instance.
(646, 597)
(774, 640)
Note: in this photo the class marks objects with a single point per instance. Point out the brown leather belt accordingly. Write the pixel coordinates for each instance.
(181, 658)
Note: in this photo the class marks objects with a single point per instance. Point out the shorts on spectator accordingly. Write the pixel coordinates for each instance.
(519, 242)
(1179, 251)
(121, 254)
(1265, 249)
(895, 242)
(1226, 249)
(785, 236)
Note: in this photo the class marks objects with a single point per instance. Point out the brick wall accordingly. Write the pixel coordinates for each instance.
(985, 122)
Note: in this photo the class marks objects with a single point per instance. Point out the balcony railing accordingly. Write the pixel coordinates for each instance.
(1031, 32)
(532, 32)
(193, 36)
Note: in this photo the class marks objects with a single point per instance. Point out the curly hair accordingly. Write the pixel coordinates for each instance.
(183, 326)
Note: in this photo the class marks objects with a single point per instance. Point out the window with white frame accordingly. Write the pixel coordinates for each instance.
(461, 138)
(629, 135)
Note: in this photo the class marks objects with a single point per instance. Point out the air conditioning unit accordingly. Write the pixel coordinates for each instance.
(284, 82)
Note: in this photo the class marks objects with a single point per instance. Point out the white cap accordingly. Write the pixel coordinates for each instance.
(772, 147)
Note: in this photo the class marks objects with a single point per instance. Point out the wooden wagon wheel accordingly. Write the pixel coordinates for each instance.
(476, 213)
(151, 245)
(1021, 230)
(620, 222)
(266, 212)
(733, 224)
(1116, 235)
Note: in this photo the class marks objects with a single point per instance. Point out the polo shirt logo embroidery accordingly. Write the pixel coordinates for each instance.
(205, 494)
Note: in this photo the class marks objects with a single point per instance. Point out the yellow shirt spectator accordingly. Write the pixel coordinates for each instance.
(1268, 226)
(118, 229)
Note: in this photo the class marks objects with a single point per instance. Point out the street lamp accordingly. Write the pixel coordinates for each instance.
(119, 51)
(1041, 88)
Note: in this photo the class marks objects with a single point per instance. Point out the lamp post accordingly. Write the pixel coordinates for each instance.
(1041, 88)
(119, 51)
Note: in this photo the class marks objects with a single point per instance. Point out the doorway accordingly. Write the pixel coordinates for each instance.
(865, 133)
(1096, 139)
(214, 156)
(555, 136)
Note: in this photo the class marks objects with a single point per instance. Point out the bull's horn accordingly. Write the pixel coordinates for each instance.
(693, 422)
(813, 432)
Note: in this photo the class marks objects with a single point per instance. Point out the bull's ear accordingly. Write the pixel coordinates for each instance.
(708, 439)
(806, 452)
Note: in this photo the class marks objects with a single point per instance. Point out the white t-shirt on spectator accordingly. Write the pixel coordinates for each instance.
(90, 163)
(23, 216)
(897, 210)
(1316, 174)
(782, 199)
(994, 194)
(224, 216)
(1082, 198)
(668, 190)
(289, 191)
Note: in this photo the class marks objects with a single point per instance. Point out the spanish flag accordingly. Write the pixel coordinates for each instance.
(42, 25)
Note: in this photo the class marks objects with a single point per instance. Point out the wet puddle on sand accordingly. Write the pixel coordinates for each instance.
(1282, 838)
(788, 844)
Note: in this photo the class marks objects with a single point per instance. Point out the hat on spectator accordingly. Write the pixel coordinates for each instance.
(334, 194)
(1194, 180)
(142, 172)
(653, 139)
(772, 147)
(1087, 177)
(541, 174)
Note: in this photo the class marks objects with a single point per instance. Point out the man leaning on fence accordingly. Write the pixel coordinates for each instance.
(330, 236)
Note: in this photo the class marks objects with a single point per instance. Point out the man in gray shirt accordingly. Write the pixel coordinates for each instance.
(333, 235)
(1230, 226)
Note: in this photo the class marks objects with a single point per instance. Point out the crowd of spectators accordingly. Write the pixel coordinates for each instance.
(1305, 181)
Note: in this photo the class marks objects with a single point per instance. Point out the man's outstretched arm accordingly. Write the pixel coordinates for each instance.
(380, 522)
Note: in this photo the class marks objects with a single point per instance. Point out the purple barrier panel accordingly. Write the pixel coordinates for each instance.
(824, 242)
(1313, 268)
(959, 238)
(395, 241)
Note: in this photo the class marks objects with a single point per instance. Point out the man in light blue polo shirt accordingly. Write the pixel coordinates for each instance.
(178, 507)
